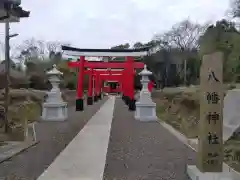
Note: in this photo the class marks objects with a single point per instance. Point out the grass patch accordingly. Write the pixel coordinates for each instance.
(232, 153)
(28, 110)
(24, 105)
(27, 104)
(181, 111)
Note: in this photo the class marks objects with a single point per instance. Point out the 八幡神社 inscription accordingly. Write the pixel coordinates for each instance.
(210, 148)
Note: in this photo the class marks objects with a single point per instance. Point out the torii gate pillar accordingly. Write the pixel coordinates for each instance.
(80, 95)
(90, 88)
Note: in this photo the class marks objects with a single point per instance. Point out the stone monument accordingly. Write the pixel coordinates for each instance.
(54, 109)
(210, 141)
(145, 107)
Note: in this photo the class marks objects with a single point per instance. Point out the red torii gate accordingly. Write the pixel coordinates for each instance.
(113, 77)
(100, 76)
(128, 66)
(128, 86)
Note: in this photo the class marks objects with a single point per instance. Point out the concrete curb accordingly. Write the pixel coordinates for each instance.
(191, 144)
(15, 148)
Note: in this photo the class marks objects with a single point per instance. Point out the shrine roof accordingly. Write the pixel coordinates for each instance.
(72, 51)
(68, 48)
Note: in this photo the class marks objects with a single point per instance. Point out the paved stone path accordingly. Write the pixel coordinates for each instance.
(54, 137)
(144, 151)
(84, 157)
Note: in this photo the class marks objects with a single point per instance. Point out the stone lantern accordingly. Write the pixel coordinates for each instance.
(54, 109)
(145, 107)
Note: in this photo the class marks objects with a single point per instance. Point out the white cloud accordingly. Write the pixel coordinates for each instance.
(104, 23)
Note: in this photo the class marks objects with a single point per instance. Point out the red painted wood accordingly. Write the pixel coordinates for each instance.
(111, 77)
(96, 84)
(87, 64)
(80, 77)
(150, 86)
(103, 72)
(129, 82)
(90, 83)
(125, 79)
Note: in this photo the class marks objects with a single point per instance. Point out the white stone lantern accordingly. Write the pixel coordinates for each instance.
(54, 109)
(145, 107)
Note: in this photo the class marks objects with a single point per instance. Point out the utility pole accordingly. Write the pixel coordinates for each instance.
(7, 71)
(185, 72)
(12, 8)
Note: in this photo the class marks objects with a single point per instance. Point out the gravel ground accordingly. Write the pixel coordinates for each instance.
(53, 137)
(144, 151)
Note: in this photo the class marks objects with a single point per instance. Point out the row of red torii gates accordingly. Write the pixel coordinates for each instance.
(100, 72)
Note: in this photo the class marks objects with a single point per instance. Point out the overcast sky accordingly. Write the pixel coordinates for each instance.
(105, 23)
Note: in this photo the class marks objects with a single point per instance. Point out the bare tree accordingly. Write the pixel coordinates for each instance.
(138, 45)
(180, 43)
(32, 49)
(161, 40)
(53, 46)
(235, 8)
(183, 35)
